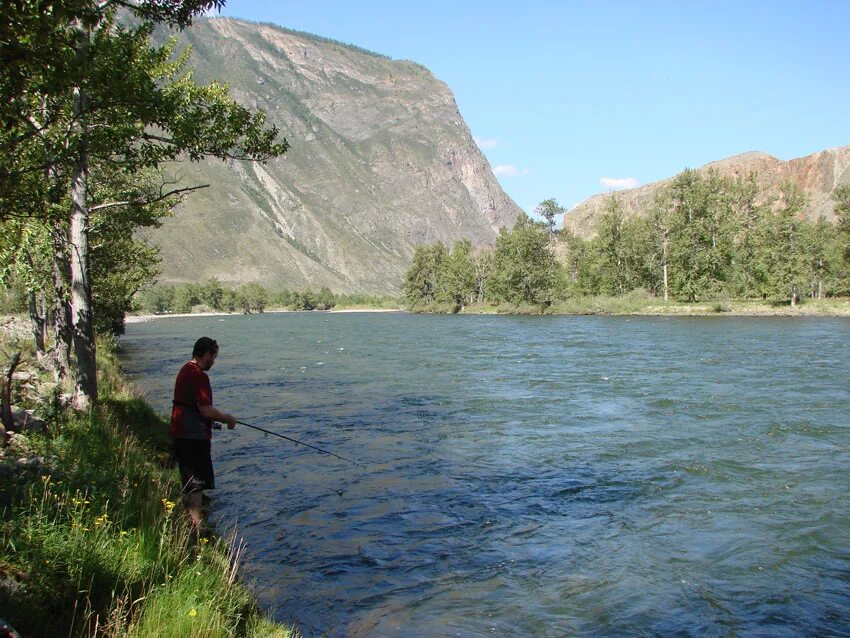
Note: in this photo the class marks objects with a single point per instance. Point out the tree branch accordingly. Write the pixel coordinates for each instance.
(144, 202)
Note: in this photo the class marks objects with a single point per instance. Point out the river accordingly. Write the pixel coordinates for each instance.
(537, 476)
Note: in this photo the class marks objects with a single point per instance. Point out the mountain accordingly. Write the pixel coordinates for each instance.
(818, 175)
(380, 162)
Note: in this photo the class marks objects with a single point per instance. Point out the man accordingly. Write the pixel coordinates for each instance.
(192, 417)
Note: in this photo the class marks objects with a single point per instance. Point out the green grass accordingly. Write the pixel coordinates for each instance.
(99, 543)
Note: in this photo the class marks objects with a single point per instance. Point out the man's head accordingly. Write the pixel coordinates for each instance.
(205, 352)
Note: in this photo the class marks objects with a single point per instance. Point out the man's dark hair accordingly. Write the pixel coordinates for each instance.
(204, 345)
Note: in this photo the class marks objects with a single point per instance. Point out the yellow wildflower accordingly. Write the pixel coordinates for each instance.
(193, 612)
(168, 505)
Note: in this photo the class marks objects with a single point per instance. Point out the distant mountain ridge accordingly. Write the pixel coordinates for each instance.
(380, 162)
(818, 175)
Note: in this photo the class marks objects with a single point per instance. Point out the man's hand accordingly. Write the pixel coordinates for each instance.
(230, 420)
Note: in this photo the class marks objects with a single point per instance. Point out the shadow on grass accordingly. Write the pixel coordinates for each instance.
(136, 417)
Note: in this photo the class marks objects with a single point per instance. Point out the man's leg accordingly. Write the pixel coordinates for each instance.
(193, 501)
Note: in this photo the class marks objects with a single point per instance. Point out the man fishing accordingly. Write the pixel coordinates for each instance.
(192, 416)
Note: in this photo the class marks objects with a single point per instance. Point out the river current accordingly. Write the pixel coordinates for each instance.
(536, 476)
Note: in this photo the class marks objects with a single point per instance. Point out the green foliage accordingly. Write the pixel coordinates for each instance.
(88, 108)
(705, 237)
(524, 268)
(782, 245)
(252, 297)
(620, 246)
(421, 282)
(701, 235)
(248, 298)
(548, 209)
(842, 217)
(456, 283)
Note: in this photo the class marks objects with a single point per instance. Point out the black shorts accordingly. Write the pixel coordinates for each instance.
(195, 463)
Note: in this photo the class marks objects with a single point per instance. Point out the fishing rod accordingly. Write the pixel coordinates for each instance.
(288, 438)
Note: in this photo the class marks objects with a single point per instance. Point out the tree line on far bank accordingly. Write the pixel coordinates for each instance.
(705, 237)
(212, 295)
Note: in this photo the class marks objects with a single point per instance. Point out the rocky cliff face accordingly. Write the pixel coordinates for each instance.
(818, 175)
(380, 162)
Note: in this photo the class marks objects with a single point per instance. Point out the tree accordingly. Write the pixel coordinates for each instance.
(842, 217)
(548, 209)
(701, 235)
(657, 255)
(422, 278)
(212, 293)
(456, 280)
(121, 264)
(524, 268)
(620, 248)
(822, 256)
(253, 297)
(83, 89)
(748, 276)
(782, 246)
(482, 263)
(325, 299)
(25, 256)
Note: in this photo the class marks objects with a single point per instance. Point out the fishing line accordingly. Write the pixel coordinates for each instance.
(312, 447)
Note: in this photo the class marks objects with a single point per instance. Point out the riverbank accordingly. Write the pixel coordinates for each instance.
(146, 318)
(93, 538)
(649, 306)
(612, 306)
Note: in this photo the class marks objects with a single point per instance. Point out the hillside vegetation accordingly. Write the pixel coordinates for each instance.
(706, 238)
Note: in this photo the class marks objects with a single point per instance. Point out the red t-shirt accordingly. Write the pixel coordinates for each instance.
(191, 390)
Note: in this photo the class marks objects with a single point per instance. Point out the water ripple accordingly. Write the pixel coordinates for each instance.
(533, 476)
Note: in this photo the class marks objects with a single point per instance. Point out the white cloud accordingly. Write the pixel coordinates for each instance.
(508, 170)
(618, 183)
(486, 142)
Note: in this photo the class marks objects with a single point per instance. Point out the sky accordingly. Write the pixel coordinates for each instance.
(570, 99)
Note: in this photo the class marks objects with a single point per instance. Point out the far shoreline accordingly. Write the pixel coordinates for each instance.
(600, 307)
(172, 315)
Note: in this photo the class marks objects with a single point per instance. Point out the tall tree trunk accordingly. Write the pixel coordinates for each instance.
(37, 319)
(6, 395)
(85, 391)
(62, 312)
(666, 288)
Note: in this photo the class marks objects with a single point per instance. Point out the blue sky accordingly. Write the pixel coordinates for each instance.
(570, 99)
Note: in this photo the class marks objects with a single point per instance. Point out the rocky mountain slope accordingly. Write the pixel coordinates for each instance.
(380, 162)
(818, 175)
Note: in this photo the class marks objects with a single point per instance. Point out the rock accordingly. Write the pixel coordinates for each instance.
(373, 182)
(18, 444)
(29, 463)
(818, 175)
(26, 421)
(23, 376)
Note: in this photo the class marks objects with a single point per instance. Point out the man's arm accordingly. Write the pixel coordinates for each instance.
(209, 412)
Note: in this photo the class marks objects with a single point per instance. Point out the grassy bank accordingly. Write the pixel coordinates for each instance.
(93, 538)
(653, 306)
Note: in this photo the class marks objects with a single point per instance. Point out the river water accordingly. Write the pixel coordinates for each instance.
(537, 476)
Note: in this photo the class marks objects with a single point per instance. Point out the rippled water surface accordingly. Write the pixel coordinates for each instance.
(543, 476)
